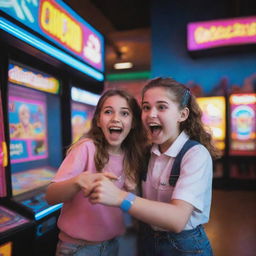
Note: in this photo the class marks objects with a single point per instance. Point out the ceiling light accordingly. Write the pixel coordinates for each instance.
(123, 65)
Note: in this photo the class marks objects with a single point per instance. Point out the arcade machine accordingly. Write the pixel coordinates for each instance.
(13, 226)
(43, 44)
(82, 109)
(242, 151)
(35, 144)
(214, 118)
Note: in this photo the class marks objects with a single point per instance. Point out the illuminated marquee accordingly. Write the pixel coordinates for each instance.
(203, 35)
(61, 26)
(30, 79)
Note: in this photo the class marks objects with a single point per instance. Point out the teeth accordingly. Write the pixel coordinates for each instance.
(153, 125)
(115, 129)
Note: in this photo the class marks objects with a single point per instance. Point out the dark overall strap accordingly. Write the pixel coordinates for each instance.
(143, 175)
(175, 172)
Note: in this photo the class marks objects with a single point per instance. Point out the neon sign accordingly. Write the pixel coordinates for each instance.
(40, 81)
(210, 34)
(61, 26)
(57, 22)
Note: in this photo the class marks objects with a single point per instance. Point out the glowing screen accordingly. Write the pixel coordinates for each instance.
(27, 125)
(214, 117)
(243, 124)
(81, 119)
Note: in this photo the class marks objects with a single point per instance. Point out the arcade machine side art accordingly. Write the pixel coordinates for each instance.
(214, 118)
(242, 160)
(35, 148)
(16, 231)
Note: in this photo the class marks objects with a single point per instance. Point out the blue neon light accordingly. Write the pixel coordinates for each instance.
(42, 15)
(48, 49)
(48, 211)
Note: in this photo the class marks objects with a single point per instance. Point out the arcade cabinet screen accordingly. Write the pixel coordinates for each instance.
(81, 119)
(28, 139)
(214, 118)
(27, 125)
(243, 124)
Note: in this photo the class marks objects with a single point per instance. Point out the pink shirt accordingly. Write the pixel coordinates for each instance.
(79, 218)
(194, 184)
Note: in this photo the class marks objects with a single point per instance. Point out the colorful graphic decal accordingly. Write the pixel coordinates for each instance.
(27, 127)
(216, 33)
(81, 119)
(57, 22)
(6, 249)
(31, 179)
(38, 80)
(214, 113)
(10, 219)
(3, 154)
(243, 124)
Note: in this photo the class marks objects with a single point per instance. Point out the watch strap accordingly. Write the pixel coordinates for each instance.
(127, 202)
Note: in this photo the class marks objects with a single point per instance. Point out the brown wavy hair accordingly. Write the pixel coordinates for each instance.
(193, 125)
(134, 144)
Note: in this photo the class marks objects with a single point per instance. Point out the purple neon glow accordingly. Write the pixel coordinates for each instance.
(217, 33)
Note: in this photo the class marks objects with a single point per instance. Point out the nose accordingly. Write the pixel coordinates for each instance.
(115, 117)
(153, 112)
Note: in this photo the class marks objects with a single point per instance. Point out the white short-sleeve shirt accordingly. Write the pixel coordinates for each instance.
(194, 184)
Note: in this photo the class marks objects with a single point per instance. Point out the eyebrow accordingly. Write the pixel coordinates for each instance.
(121, 107)
(160, 101)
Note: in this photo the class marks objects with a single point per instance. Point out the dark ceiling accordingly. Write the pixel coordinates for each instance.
(125, 14)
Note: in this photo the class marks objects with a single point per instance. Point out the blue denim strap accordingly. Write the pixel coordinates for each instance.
(175, 172)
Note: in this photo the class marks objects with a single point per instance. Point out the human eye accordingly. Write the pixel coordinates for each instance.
(125, 113)
(107, 111)
(145, 107)
(162, 107)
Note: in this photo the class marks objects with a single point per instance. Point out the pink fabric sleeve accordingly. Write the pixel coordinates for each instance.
(73, 164)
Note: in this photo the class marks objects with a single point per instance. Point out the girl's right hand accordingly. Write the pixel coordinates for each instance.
(106, 192)
(86, 180)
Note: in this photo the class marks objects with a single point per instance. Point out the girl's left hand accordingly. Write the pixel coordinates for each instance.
(105, 192)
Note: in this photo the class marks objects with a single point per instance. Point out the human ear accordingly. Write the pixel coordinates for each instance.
(184, 113)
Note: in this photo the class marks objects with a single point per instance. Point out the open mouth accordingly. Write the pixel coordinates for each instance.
(155, 128)
(115, 130)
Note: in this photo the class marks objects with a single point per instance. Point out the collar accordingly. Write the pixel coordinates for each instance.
(174, 149)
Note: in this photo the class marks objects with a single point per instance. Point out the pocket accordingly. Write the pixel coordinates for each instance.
(65, 249)
(190, 242)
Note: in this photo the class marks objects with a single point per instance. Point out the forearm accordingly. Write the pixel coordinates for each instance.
(171, 216)
(59, 192)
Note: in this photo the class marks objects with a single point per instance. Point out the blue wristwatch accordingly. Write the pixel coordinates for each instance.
(127, 202)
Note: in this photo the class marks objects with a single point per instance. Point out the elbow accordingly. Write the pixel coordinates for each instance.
(177, 227)
(48, 200)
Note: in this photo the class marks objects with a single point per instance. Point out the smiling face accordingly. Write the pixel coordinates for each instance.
(115, 121)
(161, 116)
(24, 115)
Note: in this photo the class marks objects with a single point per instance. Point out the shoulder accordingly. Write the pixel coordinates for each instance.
(199, 152)
(84, 145)
(197, 162)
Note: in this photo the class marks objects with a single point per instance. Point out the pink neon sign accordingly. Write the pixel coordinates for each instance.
(217, 33)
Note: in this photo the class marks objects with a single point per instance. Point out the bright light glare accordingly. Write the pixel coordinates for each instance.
(123, 65)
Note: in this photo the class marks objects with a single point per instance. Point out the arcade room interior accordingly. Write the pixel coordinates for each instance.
(57, 57)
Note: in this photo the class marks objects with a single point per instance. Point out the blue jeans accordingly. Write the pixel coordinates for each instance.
(186, 243)
(105, 248)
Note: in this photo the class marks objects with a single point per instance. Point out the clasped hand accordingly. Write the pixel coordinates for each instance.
(100, 188)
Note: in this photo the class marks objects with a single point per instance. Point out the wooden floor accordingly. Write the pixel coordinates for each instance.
(231, 229)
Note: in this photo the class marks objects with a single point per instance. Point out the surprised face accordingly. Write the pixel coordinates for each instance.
(115, 121)
(161, 116)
